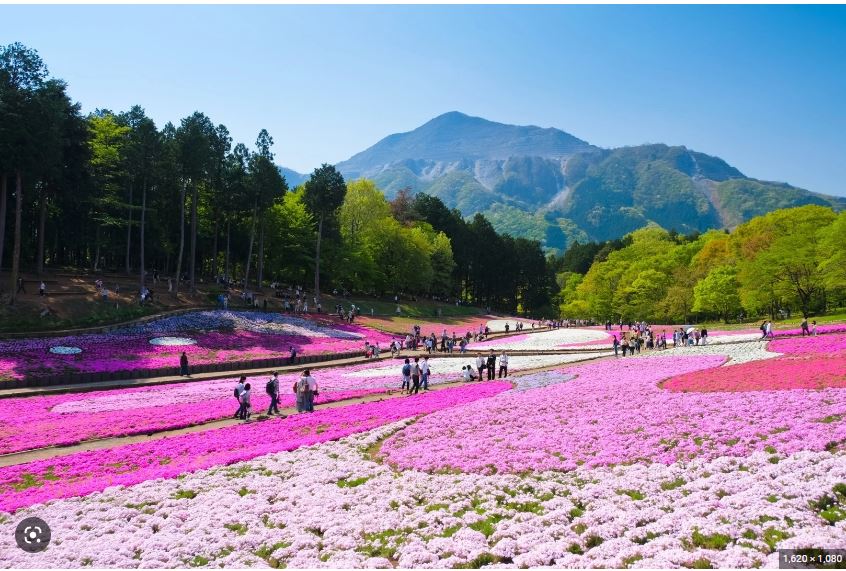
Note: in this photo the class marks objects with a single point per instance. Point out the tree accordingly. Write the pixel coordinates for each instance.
(718, 293)
(323, 195)
(22, 74)
(194, 138)
(266, 185)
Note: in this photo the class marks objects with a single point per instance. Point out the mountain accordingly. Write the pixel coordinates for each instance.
(292, 177)
(545, 184)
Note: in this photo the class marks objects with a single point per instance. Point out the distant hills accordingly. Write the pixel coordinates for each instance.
(545, 184)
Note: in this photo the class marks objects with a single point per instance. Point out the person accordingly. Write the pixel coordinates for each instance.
(21, 288)
(704, 336)
(272, 389)
(246, 408)
(624, 343)
(480, 365)
(292, 357)
(805, 327)
(769, 331)
(424, 372)
(303, 389)
(406, 376)
(503, 365)
(42, 289)
(183, 365)
(764, 329)
(415, 376)
(491, 365)
(616, 345)
(814, 328)
(239, 388)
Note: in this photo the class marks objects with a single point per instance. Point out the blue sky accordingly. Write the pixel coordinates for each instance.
(762, 87)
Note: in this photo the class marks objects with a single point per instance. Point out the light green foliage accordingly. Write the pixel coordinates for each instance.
(718, 293)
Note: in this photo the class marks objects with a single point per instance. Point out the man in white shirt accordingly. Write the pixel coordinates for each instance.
(239, 388)
(503, 365)
(424, 372)
(480, 365)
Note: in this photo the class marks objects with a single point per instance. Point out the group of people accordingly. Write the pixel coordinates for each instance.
(640, 335)
(305, 390)
(805, 330)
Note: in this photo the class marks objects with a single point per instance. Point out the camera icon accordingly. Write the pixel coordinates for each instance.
(33, 535)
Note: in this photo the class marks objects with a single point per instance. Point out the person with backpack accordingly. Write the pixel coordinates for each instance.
(406, 376)
(239, 388)
(246, 409)
(415, 376)
(272, 389)
(305, 388)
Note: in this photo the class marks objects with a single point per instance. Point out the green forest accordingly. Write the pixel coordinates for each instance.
(111, 190)
(789, 260)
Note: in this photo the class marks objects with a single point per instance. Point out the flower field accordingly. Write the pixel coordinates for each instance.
(62, 420)
(205, 336)
(708, 456)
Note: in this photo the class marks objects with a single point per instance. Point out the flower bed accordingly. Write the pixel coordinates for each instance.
(86, 472)
(205, 336)
(807, 363)
(332, 506)
(61, 420)
(545, 340)
(614, 412)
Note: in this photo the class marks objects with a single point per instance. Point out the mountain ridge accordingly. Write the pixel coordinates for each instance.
(547, 184)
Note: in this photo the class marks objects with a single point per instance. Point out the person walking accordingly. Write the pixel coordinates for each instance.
(491, 365)
(424, 373)
(625, 343)
(415, 376)
(814, 328)
(42, 289)
(304, 388)
(239, 388)
(21, 288)
(804, 326)
(704, 336)
(769, 331)
(480, 366)
(246, 408)
(503, 365)
(616, 345)
(764, 329)
(406, 376)
(272, 389)
(183, 365)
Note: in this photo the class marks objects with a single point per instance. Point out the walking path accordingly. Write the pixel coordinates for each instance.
(103, 443)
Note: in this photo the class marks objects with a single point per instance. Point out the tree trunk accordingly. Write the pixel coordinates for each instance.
(141, 237)
(97, 249)
(214, 249)
(129, 230)
(193, 262)
(261, 255)
(3, 180)
(181, 239)
(227, 275)
(317, 260)
(16, 249)
(250, 250)
(42, 221)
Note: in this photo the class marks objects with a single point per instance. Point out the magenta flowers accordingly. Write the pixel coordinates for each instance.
(614, 412)
(86, 472)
